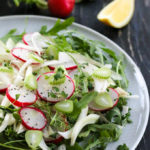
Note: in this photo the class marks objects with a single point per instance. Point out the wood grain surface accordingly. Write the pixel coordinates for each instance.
(134, 38)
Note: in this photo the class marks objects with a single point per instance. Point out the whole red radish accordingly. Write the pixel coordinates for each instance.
(61, 8)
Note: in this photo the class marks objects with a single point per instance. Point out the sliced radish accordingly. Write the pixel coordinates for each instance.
(45, 89)
(67, 65)
(27, 39)
(66, 60)
(115, 97)
(56, 140)
(23, 54)
(36, 40)
(33, 118)
(39, 42)
(20, 96)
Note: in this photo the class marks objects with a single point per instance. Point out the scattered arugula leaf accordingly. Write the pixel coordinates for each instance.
(59, 25)
(122, 147)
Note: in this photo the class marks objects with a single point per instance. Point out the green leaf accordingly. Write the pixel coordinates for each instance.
(11, 34)
(59, 25)
(17, 96)
(86, 99)
(122, 147)
(114, 115)
(75, 147)
(9, 109)
(110, 52)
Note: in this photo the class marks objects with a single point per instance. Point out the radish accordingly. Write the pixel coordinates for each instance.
(61, 8)
(66, 60)
(67, 65)
(37, 41)
(24, 54)
(33, 118)
(20, 96)
(48, 92)
(115, 98)
(27, 39)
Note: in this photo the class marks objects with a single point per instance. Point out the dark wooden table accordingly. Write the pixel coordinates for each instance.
(134, 38)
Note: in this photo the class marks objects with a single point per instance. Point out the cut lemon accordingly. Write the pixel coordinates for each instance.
(118, 13)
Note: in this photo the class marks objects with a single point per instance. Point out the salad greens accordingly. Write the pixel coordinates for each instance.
(67, 91)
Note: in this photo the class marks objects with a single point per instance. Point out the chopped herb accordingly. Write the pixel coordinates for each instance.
(63, 94)
(51, 94)
(56, 89)
(17, 96)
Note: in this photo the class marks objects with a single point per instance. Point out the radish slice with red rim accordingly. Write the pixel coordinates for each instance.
(27, 39)
(33, 118)
(115, 98)
(67, 65)
(56, 140)
(23, 54)
(66, 60)
(54, 93)
(20, 96)
(3, 88)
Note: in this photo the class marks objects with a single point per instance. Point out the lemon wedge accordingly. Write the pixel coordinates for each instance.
(118, 13)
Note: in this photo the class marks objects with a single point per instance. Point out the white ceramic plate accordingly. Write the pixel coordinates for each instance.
(132, 133)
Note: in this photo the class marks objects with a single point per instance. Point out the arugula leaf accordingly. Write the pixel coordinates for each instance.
(86, 99)
(110, 52)
(122, 147)
(9, 109)
(11, 34)
(114, 115)
(75, 147)
(79, 105)
(14, 141)
(93, 144)
(59, 25)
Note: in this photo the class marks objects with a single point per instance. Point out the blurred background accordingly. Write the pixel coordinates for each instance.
(133, 38)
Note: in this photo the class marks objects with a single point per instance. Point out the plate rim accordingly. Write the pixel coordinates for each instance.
(109, 41)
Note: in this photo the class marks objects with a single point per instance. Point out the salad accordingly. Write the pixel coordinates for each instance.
(60, 90)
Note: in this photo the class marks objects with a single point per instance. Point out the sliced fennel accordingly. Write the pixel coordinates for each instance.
(10, 44)
(36, 58)
(21, 73)
(90, 119)
(124, 94)
(67, 134)
(19, 128)
(100, 85)
(8, 120)
(30, 81)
